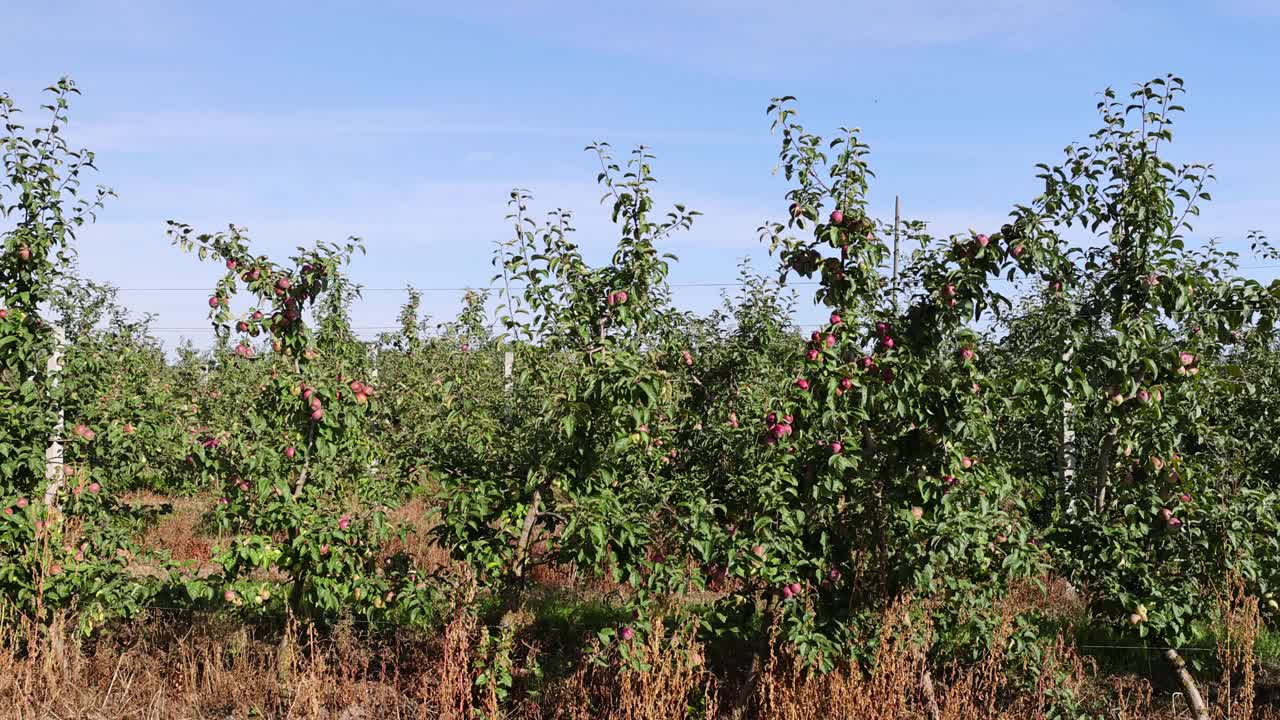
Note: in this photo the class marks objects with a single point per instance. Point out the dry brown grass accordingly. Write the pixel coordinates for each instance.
(195, 666)
(179, 532)
(208, 668)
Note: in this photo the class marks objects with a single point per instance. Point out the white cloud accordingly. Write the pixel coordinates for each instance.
(760, 37)
(1253, 8)
(155, 130)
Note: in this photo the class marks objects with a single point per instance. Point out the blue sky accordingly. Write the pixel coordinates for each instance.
(407, 123)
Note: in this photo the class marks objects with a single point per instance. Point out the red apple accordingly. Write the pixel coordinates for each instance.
(837, 217)
(289, 452)
(24, 253)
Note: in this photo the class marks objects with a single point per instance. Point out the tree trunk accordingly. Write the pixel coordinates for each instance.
(1188, 684)
(930, 696)
(526, 534)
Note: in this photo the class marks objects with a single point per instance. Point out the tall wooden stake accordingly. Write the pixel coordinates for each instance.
(897, 220)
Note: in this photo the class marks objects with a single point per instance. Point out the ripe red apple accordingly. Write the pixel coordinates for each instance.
(948, 480)
(836, 319)
(1017, 251)
(867, 363)
(1184, 498)
(837, 217)
(1144, 396)
(837, 447)
(213, 302)
(317, 414)
(983, 240)
(324, 549)
(688, 357)
(22, 502)
(24, 253)
(917, 512)
(289, 452)
(802, 383)
(283, 283)
(966, 462)
(948, 290)
(887, 343)
(758, 551)
(622, 297)
(231, 264)
(966, 354)
(627, 633)
(242, 326)
(1055, 286)
(3, 313)
(846, 383)
(129, 429)
(229, 596)
(94, 487)
(344, 522)
(794, 588)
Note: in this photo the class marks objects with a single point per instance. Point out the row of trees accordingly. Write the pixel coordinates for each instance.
(1010, 408)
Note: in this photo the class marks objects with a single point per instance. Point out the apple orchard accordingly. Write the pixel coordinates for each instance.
(1008, 412)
